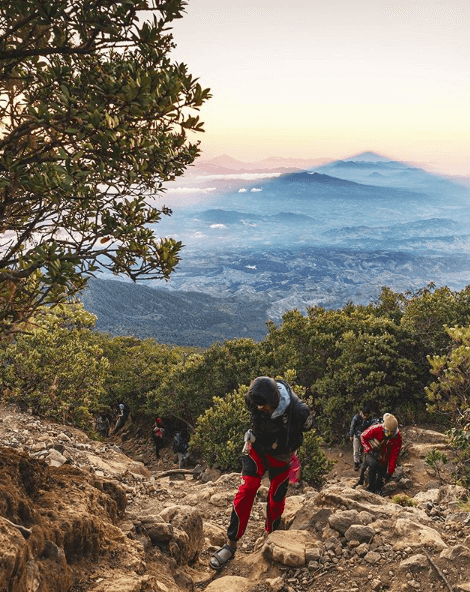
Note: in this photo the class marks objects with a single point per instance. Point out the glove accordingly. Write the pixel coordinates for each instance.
(308, 425)
(387, 478)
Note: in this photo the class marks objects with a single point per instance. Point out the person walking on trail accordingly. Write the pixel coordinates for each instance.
(360, 422)
(279, 419)
(181, 446)
(382, 445)
(123, 414)
(158, 435)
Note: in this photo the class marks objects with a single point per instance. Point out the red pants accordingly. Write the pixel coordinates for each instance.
(254, 467)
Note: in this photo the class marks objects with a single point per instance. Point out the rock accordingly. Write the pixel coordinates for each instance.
(223, 499)
(457, 552)
(286, 547)
(342, 520)
(210, 475)
(309, 517)
(372, 557)
(462, 587)
(229, 584)
(359, 532)
(414, 534)
(215, 534)
(275, 584)
(159, 531)
(428, 496)
(188, 536)
(415, 563)
(55, 458)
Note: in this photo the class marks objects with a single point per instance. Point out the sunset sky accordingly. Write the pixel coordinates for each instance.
(332, 78)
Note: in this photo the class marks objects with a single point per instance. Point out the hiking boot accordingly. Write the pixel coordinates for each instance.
(357, 466)
(357, 484)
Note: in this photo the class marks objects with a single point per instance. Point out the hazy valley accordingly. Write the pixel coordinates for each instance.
(261, 243)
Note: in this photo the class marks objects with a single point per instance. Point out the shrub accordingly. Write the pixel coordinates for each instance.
(403, 500)
(435, 459)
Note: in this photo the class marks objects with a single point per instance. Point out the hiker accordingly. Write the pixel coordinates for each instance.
(123, 414)
(382, 445)
(279, 419)
(180, 446)
(158, 434)
(360, 422)
(103, 425)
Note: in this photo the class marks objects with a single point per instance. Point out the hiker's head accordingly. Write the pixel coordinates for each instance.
(390, 425)
(264, 394)
(365, 412)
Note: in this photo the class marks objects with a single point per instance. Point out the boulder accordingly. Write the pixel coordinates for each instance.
(286, 547)
(343, 519)
(413, 534)
(159, 531)
(359, 532)
(188, 532)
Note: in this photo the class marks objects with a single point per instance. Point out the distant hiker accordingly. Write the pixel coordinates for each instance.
(103, 425)
(279, 419)
(158, 434)
(180, 446)
(382, 445)
(360, 422)
(123, 414)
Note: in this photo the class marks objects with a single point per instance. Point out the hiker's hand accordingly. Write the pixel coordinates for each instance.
(387, 477)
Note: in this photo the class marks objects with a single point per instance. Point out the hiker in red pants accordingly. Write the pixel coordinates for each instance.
(279, 419)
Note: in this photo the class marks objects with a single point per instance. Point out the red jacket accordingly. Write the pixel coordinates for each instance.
(389, 447)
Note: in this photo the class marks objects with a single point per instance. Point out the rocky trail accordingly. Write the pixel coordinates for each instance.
(80, 515)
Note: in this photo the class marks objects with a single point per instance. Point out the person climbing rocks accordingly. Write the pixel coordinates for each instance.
(103, 425)
(279, 419)
(123, 414)
(360, 422)
(158, 435)
(382, 444)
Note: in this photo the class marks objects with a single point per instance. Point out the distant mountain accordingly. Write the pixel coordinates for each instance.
(272, 163)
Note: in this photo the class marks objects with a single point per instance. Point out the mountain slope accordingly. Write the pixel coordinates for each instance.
(190, 318)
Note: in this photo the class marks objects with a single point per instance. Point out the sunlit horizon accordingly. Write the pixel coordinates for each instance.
(329, 80)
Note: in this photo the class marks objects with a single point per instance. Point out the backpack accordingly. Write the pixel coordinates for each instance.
(179, 443)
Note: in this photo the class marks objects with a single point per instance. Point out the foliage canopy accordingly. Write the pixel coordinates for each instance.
(94, 117)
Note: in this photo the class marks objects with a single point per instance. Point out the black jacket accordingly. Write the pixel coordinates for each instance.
(359, 424)
(284, 432)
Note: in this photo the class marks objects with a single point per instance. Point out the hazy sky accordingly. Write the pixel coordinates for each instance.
(331, 78)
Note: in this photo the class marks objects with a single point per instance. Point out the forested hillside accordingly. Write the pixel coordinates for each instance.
(190, 318)
(406, 353)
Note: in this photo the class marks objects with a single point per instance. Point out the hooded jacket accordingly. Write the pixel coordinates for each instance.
(282, 432)
(388, 449)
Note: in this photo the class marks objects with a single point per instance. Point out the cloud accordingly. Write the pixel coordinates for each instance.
(242, 190)
(190, 189)
(256, 189)
(245, 176)
(218, 226)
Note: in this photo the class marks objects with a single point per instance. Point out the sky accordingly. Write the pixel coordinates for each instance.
(332, 78)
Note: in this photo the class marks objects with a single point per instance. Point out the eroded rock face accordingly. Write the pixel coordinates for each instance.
(188, 532)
